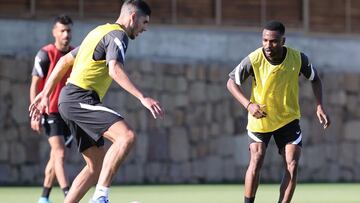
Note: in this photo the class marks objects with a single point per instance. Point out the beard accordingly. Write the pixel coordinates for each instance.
(65, 42)
(132, 34)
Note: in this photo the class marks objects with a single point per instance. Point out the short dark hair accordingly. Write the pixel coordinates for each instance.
(63, 19)
(140, 5)
(275, 26)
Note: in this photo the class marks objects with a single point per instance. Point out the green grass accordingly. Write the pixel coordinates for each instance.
(267, 193)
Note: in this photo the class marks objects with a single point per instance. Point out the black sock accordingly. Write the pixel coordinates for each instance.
(65, 190)
(46, 192)
(249, 199)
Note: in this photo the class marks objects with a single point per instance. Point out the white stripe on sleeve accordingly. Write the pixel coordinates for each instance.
(312, 76)
(38, 67)
(237, 74)
(119, 44)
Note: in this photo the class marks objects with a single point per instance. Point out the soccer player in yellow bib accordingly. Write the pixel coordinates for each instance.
(99, 60)
(273, 109)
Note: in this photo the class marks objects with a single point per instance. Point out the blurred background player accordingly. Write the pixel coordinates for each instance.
(53, 125)
(99, 60)
(273, 109)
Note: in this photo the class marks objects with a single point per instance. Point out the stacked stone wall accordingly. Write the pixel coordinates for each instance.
(202, 138)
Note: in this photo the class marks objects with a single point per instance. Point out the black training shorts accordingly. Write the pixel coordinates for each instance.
(54, 125)
(86, 116)
(288, 134)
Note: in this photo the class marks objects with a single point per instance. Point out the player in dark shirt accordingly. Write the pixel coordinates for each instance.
(53, 125)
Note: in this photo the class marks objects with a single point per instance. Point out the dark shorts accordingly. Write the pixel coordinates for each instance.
(54, 125)
(86, 117)
(288, 134)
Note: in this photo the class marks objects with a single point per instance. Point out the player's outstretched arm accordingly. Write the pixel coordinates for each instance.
(41, 102)
(117, 72)
(320, 112)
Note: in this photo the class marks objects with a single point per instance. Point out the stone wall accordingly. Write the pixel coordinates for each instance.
(203, 137)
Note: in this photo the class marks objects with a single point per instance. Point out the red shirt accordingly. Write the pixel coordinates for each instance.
(47, 64)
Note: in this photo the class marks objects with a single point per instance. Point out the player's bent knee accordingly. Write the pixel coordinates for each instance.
(292, 165)
(257, 157)
(94, 169)
(130, 137)
(256, 162)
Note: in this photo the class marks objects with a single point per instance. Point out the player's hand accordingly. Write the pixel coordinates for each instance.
(39, 106)
(154, 107)
(256, 110)
(33, 109)
(35, 125)
(323, 117)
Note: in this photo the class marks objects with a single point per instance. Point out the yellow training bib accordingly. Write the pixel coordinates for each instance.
(88, 73)
(276, 87)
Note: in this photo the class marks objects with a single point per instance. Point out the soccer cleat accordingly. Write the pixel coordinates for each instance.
(44, 200)
(101, 199)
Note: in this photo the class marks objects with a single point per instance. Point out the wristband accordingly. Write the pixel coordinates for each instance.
(247, 106)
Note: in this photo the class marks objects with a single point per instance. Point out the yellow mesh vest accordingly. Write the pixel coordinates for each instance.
(88, 73)
(276, 87)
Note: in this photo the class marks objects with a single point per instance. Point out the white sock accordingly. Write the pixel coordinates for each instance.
(100, 191)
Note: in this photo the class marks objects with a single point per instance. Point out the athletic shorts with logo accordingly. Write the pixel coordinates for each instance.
(288, 134)
(86, 116)
(54, 125)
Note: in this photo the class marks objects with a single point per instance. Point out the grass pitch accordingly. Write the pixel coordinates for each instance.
(267, 193)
